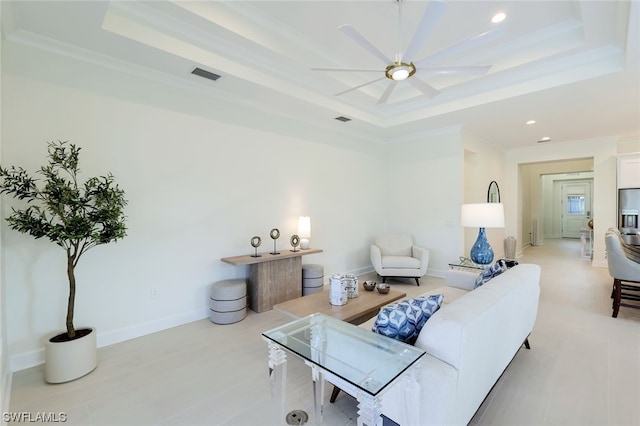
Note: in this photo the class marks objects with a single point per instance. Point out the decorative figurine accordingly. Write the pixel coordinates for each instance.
(275, 234)
(295, 242)
(255, 243)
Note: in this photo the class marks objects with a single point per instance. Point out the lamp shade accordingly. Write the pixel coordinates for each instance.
(304, 227)
(482, 215)
(304, 231)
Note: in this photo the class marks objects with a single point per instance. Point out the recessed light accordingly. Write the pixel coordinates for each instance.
(545, 139)
(531, 122)
(498, 17)
(343, 119)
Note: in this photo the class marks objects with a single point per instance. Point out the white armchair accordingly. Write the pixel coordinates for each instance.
(395, 255)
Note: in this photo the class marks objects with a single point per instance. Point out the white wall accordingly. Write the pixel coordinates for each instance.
(424, 193)
(198, 190)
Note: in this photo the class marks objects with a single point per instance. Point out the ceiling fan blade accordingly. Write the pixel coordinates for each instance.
(431, 16)
(463, 45)
(358, 87)
(466, 70)
(345, 69)
(425, 88)
(387, 92)
(354, 35)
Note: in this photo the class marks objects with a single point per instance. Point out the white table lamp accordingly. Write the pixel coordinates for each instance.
(304, 231)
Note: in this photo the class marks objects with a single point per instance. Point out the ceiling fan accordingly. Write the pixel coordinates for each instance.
(403, 67)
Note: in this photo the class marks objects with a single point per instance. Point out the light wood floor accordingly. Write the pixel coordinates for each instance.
(583, 367)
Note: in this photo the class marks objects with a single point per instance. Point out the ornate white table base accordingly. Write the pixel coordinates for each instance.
(277, 381)
(369, 407)
(361, 363)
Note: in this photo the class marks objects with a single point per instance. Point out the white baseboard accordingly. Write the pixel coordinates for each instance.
(115, 336)
(30, 359)
(438, 273)
(356, 272)
(25, 360)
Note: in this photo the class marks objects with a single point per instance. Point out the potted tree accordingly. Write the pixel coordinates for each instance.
(77, 217)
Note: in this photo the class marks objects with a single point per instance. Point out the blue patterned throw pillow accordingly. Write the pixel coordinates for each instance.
(493, 271)
(404, 320)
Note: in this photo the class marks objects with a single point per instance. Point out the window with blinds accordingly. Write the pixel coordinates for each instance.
(576, 205)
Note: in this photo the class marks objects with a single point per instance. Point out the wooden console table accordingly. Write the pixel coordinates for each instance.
(273, 278)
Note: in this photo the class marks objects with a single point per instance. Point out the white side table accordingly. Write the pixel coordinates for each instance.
(586, 243)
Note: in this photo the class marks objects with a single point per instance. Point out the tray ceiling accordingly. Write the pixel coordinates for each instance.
(566, 64)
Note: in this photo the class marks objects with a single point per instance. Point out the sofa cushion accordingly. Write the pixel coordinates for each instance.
(404, 320)
(491, 271)
(450, 294)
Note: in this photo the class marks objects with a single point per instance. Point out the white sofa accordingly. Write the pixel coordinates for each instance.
(469, 342)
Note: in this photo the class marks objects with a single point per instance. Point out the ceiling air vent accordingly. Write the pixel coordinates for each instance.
(205, 74)
(343, 119)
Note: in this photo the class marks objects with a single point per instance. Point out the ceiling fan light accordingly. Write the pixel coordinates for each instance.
(400, 74)
(400, 71)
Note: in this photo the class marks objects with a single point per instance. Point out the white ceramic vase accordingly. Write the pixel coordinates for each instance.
(66, 361)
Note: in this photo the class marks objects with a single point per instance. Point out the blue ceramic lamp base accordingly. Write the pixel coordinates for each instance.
(481, 252)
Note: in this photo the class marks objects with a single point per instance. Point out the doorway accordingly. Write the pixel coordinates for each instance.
(546, 200)
(575, 207)
(540, 192)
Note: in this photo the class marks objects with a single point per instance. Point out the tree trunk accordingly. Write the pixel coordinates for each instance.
(71, 332)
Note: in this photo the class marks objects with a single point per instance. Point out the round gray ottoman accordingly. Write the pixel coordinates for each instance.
(228, 301)
(312, 278)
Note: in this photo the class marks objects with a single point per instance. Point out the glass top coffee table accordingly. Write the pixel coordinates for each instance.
(360, 362)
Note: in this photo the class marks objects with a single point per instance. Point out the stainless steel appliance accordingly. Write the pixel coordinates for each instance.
(629, 215)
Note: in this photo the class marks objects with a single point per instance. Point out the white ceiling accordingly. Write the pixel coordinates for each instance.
(570, 65)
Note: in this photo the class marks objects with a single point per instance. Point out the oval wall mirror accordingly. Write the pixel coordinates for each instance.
(493, 194)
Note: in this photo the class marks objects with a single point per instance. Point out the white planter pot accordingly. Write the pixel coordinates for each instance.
(66, 361)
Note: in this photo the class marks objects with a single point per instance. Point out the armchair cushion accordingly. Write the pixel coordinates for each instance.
(400, 262)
